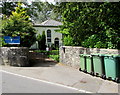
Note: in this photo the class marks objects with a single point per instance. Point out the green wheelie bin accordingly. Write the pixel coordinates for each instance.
(98, 64)
(112, 67)
(82, 62)
(89, 64)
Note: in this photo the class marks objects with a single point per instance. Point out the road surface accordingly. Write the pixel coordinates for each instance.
(12, 83)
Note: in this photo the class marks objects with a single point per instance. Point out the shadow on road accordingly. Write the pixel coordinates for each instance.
(40, 60)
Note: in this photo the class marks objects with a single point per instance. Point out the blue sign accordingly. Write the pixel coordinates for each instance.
(12, 40)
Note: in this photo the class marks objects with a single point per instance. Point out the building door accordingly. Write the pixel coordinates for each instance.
(56, 42)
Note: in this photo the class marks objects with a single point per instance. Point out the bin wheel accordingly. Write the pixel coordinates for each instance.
(92, 73)
(117, 80)
(80, 69)
(85, 71)
(109, 78)
(96, 74)
(103, 76)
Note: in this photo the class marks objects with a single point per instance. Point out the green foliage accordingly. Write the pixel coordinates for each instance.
(41, 51)
(82, 20)
(94, 41)
(90, 42)
(2, 42)
(38, 38)
(37, 10)
(54, 52)
(8, 7)
(47, 12)
(18, 24)
(68, 41)
(55, 57)
(32, 9)
(41, 41)
(54, 47)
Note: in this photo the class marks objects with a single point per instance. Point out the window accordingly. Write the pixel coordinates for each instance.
(48, 35)
(48, 40)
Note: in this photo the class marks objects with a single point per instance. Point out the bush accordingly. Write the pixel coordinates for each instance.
(68, 41)
(41, 41)
(41, 51)
(94, 41)
(53, 47)
(54, 52)
(38, 38)
(19, 24)
(2, 42)
(55, 57)
(101, 41)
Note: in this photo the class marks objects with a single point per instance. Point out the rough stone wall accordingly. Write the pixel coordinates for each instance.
(70, 55)
(14, 56)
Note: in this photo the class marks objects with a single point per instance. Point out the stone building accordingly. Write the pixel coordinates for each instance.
(52, 37)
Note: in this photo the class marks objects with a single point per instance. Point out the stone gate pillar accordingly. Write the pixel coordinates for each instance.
(14, 56)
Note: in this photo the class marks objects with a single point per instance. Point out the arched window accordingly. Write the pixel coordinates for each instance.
(48, 35)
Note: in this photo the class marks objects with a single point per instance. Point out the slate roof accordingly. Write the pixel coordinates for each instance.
(49, 23)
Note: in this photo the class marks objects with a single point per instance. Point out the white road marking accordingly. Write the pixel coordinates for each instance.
(84, 91)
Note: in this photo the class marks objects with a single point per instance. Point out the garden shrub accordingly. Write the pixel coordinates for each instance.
(55, 57)
(19, 24)
(68, 40)
(54, 52)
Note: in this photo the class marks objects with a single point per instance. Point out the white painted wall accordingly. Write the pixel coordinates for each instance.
(53, 35)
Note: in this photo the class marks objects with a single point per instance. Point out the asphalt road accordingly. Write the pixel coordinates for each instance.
(17, 84)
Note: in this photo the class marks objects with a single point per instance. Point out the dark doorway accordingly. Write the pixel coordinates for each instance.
(56, 42)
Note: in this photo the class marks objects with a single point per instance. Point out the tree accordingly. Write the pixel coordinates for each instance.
(18, 24)
(84, 21)
(47, 12)
(41, 41)
(68, 41)
(106, 25)
(37, 10)
(32, 9)
(8, 7)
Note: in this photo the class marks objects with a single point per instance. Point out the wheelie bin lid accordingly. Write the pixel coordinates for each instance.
(106, 55)
(88, 55)
(82, 55)
(85, 55)
(111, 55)
(97, 54)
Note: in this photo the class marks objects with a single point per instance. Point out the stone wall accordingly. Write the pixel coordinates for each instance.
(70, 55)
(14, 56)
